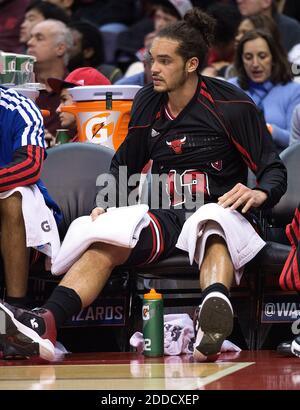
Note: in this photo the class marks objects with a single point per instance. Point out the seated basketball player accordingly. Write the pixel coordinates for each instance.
(202, 134)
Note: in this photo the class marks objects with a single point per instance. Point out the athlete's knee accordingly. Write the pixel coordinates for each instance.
(215, 240)
(11, 207)
(112, 255)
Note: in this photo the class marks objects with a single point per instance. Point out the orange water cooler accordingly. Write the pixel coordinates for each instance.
(102, 112)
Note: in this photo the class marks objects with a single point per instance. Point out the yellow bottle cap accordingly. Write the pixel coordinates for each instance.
(152, 295)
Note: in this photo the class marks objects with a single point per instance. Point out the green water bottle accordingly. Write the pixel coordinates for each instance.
(62, 136)
(153, 324)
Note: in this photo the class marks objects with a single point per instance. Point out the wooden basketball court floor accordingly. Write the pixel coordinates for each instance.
(247, 370)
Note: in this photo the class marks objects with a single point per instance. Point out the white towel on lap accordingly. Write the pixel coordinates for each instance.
(119, 226)
(40, 226)
(242, 240)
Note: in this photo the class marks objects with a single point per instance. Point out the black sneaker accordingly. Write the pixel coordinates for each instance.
(26, 333)
(285, 348)
(296, 346)
(215, 323)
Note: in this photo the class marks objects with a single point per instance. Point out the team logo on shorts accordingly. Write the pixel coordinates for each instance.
(218, 165)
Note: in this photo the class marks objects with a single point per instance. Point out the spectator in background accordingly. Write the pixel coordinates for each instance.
(262, 22)
(79, 77)
(102, 12)
(67, 5)
(36, 12)
(267, 23)
(142, 78)
(88, 50)
(133, 43)
(11, 16)
(264, 73)
(50, 42)
(289, 28)
(221, 54)
(165, 12)
(257, 21)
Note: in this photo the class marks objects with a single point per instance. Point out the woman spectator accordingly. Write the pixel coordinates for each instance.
(267, 23)
(259, 22)
(255, 22)
(264, 73)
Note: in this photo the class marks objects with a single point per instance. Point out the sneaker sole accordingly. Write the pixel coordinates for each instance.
(295, 348)
(216, 322)
(20, 341)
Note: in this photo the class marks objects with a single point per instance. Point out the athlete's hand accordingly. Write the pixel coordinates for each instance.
(241, 195)
(97, 212)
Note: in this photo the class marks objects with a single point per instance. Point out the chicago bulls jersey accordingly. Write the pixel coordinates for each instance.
(209, 145)
(193, 144)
